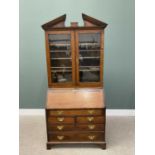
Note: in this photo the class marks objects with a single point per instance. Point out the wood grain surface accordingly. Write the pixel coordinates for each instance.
(75, 98)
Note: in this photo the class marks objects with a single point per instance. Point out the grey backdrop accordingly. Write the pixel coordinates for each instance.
(119, 47)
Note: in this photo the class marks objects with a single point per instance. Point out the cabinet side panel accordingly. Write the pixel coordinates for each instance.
(102, 58)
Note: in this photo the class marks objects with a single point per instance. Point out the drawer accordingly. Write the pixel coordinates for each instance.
(91, 119)
(60, 120)
(76, 112)
(77, 136)
(91, 127)
(60, 127)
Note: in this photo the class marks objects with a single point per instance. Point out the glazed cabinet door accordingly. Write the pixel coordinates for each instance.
(89, 58)
(60, 58)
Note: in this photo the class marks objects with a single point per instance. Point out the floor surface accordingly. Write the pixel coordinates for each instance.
(119, 138)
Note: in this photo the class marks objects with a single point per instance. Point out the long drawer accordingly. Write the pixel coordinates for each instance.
(71, 136)
(78, 127)
(71, 120)
(91, 119)
(76, 112)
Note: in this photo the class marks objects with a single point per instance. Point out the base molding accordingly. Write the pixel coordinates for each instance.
(109, 112)
(49, 145)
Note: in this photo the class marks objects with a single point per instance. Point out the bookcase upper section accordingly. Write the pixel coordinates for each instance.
(75, 54)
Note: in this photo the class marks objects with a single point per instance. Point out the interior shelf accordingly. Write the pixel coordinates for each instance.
(60, 58)
(61, 67)
(90, 50)
(58, 40)
(82, 70)
(61, 70)
(89, 66)
(89, 70)
(55, 51)
(51, 44)
(89, 57)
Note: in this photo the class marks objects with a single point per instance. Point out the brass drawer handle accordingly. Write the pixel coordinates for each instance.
(91, 127)
(60, 119)
(91, 137)
(91, 111)
(60, 127)
(90, 119)
(60, 137)
(59, 112)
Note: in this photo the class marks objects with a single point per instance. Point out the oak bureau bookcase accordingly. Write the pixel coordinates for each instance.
(75, 105)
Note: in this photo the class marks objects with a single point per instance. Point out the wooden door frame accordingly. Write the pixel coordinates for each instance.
(89, 84)
(50, 83)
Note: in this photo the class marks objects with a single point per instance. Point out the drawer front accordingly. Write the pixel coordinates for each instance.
(61, 120)
(89, 136)
(91, 127)
(91, 119)
(60, 127)
(76, 112)
(78, 127)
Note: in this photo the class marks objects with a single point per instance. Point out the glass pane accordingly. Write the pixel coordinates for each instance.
(61, 59)
(89, 57)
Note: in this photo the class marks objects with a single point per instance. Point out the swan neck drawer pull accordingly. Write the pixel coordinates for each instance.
(60, 119)
(91, 137)
(59, 112)
(91, 127)
(91, 111)
(60, 137)
(90, 119)
(60, 127)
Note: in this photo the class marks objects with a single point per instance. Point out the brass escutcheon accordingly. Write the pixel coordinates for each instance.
(91, 137)
(60, 137)
(59, 112)
(60, 127)
(91, 127)
(91, 111)
(90, 119)
(60, 119)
